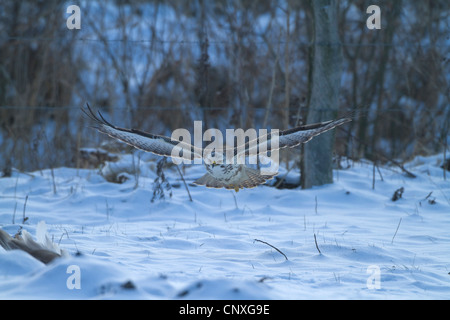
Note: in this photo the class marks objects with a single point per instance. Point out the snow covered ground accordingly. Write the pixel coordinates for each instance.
(123, 246)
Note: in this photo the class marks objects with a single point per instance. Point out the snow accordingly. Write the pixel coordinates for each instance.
(126, 247)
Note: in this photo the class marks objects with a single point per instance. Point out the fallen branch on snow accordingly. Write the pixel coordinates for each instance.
(272, 247)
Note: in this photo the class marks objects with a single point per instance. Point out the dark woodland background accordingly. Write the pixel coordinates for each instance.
(160, 65)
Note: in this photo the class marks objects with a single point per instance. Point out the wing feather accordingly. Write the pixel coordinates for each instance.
(157, 144)
(289, 138)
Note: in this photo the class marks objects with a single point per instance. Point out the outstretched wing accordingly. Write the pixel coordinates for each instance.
(160, 145)
(289, 138)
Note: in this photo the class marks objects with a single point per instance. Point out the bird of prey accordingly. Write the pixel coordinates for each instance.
(225, 172)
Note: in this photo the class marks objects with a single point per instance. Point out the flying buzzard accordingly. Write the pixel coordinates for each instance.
(224, 173)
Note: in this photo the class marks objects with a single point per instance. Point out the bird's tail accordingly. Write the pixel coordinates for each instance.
(209, 181)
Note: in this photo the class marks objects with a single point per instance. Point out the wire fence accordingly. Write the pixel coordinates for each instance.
(160, 108)
(228, 42)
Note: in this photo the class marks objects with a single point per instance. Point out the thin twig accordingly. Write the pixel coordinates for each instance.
(235, 201)
(315, 208)
(53, 179)
(185, 185)
(396, 231)
(283, 178)
(375, 166)
(317, 246)
(443, 163)
(14, 214)
(373, 176)
(429, 195)
(273, 247)
(379, 172)
(24, 207)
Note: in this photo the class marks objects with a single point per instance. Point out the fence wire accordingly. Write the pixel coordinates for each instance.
(228, 42)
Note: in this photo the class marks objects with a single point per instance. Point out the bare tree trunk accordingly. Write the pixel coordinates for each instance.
(287, 93)
(323, 102)
(203, 98)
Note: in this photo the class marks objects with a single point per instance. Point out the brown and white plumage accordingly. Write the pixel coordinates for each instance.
(43, 249)
(160, 145)
(229, 173)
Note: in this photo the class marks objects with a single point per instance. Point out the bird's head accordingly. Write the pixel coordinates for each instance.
(214, 158)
